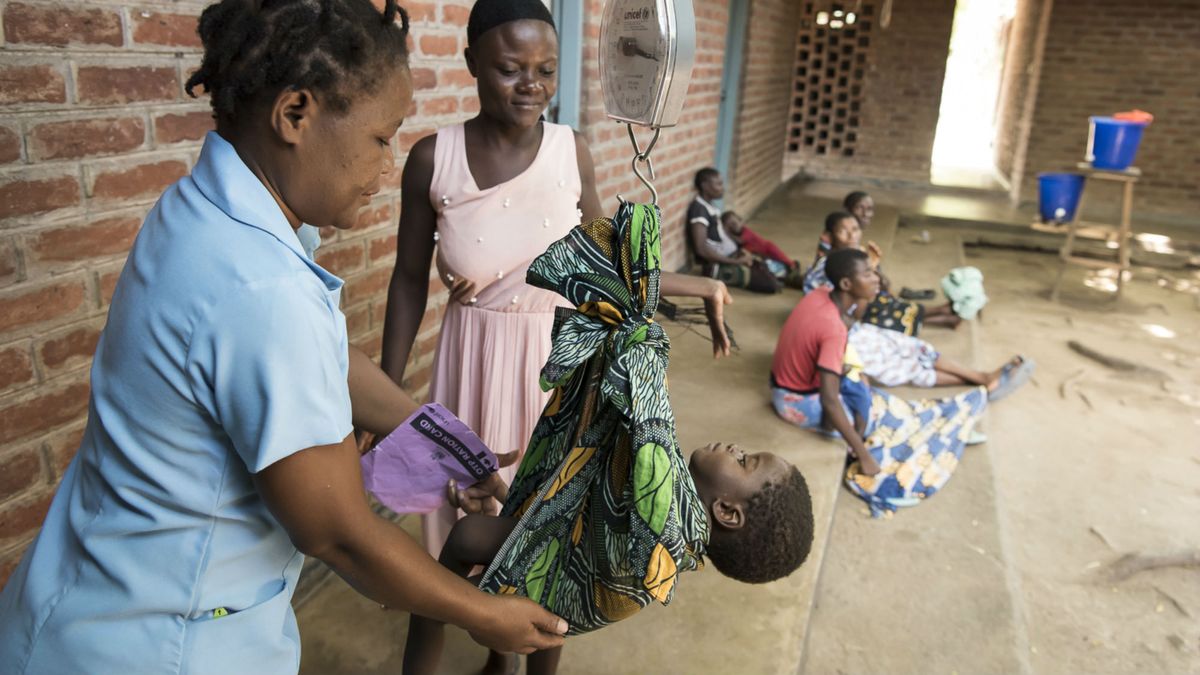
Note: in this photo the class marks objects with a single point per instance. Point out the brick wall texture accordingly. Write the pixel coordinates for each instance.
(901, 93)
(1066, 60)
(758, 151)
(1104, 56)
(94, 124)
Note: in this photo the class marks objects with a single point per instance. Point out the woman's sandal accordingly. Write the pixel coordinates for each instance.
(907, 293)
(1012, 376)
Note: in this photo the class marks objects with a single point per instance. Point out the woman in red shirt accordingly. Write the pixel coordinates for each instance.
(905, 450)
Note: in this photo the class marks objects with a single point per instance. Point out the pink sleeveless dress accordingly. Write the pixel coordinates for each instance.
(490, 354)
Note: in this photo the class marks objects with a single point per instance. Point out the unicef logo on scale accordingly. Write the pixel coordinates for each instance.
(638, 14)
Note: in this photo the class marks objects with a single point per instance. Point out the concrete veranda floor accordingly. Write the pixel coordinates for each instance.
(1002, 572)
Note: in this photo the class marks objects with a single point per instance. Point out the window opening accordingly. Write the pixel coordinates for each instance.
(831, 53)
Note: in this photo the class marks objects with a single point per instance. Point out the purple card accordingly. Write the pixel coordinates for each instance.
(408, 471)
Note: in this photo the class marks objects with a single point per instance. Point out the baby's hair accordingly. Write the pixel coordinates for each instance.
(841, 263)
(776, 538)
(254, 49)
(703, 175)
(832, 220)
(729, 214)
(853, 199)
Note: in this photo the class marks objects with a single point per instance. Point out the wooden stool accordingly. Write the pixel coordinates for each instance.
(1122, 231)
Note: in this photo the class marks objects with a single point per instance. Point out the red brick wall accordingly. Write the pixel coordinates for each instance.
(94, 124)
(1103, 56)
(902, 90)
(682, 149)
(763, 104)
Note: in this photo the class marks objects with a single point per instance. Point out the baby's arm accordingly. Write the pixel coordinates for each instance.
(474, 540)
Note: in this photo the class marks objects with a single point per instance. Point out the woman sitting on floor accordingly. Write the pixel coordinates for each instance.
(905, 450)
(861, 206)
(892, 357)
(720, 254)
(842, 230)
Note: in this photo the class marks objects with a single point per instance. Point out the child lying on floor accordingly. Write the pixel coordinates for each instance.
(781, 264)
(604, 513)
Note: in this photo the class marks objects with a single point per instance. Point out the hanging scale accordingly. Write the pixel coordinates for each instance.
(647, 49)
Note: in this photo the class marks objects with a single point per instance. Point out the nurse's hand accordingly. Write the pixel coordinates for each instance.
(514, 624)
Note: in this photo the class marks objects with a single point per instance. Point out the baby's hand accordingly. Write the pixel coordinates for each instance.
(714, 310)
(487, 495)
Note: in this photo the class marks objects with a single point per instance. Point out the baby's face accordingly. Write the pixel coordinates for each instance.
(723, 471)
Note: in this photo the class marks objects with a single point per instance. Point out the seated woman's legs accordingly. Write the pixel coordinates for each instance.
(950, 373)
(474, 540)
(942, 315)
(755, 278)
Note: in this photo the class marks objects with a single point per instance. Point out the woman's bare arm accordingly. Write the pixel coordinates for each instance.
(831, 406)
(589, 198)
(408, 292)
(380, 560)
(699, 236)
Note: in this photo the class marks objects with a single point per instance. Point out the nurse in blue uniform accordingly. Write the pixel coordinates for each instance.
(219, 447)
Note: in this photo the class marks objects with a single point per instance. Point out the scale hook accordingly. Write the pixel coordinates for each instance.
(643, 156)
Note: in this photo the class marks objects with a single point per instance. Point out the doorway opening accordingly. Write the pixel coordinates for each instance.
(964, 144)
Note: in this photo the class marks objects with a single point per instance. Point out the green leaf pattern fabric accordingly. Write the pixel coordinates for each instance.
(612, 533)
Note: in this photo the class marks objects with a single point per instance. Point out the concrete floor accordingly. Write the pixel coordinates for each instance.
(999, 573)
(1004, 571)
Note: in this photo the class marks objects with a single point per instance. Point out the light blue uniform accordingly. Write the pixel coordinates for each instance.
(310, 239)
(225, 351)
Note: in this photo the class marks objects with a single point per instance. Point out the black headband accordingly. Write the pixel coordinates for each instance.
(488, 14)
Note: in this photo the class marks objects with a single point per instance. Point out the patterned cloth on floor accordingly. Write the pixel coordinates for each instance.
(887, 312)
(609, 515)
(917, 444)
(892, 358)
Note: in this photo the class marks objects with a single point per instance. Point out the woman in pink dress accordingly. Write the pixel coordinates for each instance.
(494, 193)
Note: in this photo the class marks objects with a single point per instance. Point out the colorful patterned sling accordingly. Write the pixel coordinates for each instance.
(608, 512)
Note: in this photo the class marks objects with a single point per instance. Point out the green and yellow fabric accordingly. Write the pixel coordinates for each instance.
(609, 516)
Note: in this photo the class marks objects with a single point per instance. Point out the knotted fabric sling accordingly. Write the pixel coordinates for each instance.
(609, 515)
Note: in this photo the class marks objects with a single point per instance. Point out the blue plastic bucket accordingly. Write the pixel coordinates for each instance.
(1113, 143)
(1058, 195)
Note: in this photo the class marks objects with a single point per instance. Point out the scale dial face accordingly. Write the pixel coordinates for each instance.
(634, 54)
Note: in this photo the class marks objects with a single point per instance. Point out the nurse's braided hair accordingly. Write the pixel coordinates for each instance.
(254, 49)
